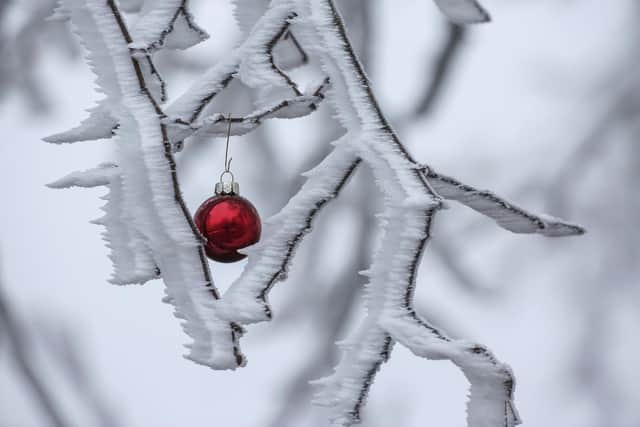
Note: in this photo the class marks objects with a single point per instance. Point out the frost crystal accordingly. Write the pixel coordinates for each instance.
(149, 228)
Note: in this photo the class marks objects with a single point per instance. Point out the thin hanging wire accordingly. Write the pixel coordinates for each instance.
(227, 160)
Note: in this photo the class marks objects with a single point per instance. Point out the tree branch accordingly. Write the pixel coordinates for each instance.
(190, 105)
(153, 29)
(413, 195)
(215, 124)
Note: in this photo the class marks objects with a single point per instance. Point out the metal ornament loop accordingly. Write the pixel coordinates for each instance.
(230, 187)
(227, 172)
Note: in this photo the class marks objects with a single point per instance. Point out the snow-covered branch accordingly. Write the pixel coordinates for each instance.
(216, 124)
(391, 315)
(251, 59)
(168, 23)
(148, 225)
(503, 212)
(150, 230)
(246, 299)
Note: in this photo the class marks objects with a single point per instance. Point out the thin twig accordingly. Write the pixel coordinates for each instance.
(236, 330)
(340, 302)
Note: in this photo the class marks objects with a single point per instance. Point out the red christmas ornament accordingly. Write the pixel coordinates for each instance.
(228, 222)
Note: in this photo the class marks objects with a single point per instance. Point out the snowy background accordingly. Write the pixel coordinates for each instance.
(539, 106)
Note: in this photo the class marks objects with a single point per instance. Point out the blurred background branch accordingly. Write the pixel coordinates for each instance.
(21, 352)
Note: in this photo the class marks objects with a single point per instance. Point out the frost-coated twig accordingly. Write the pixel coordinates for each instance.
(124, 67)
(332, 312)
(168, 23)
(410, 208)
(346, 390)
(255, 54)
(295, 220)
(148, 224)
(216, 124)
(252, 56)
(506, 214)
(190, 294)
(151, 232)
(246, 299)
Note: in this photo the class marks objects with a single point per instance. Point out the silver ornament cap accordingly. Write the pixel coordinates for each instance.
(227, 188)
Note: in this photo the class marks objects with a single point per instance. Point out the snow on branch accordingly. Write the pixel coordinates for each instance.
(216, 124)
(187, 109)
(246, 300)
(130, 254)
(254, 55)
(99, 125)
(410, 206)
(165, 24)
(153, 227)
(131, 257)
(412, 201)
(506, 214)
(149, 227)
(99, 176)
(147, 224)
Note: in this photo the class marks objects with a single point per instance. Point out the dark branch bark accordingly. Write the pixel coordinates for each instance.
(157, 44)
(244, 124)
(226, 79)
(304, 58)
(270, 46)
(236, 330)
(295, 242)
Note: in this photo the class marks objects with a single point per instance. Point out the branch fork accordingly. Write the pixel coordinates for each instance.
(150, 231)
